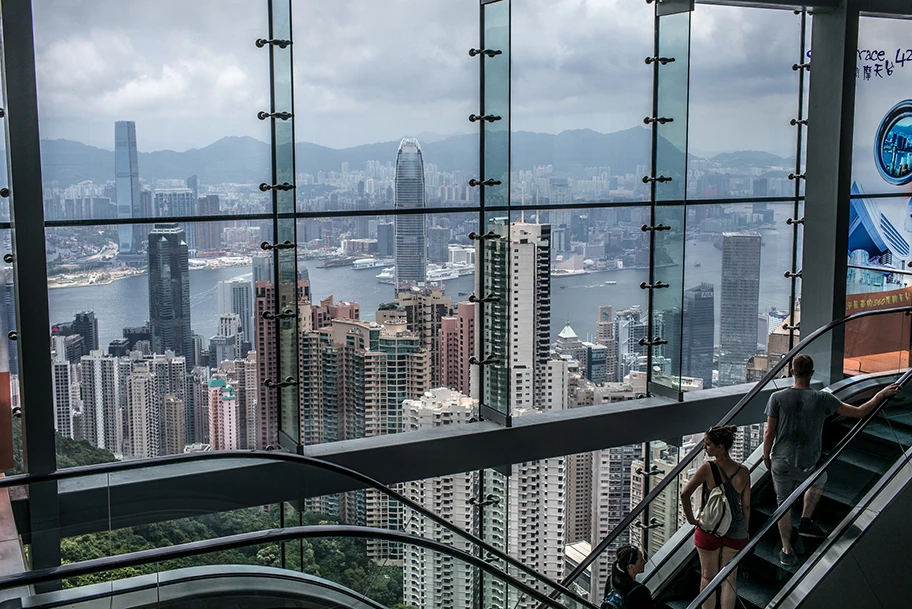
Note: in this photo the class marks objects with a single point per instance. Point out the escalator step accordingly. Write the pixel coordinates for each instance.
(902, 417)
(864, 460)
(882, 430)
(768, 551)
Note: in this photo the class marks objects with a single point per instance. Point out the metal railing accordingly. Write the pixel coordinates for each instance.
(121, 466)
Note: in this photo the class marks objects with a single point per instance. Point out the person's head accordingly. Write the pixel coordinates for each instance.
(803, 367)
(629, 562)
(719, 440)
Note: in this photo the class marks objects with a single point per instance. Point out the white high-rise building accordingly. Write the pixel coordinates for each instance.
(610, 505)
(430, 579)
(143, 415)
(225, 346)
(101, 400)
(63, 393)
(236, 296)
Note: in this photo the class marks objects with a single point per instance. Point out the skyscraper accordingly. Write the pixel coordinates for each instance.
(101, 400)
(236, 296)
(126, 180)
(520, 261)
(739, 305)
(411, 235)
(208, 235)
(456, 346)
(169, 292)
(698, 333)
(86, 325)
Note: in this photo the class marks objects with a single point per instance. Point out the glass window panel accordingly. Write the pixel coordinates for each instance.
(741, 142)
(578, 136)
(734, 282)
(378, 79)
(883, 155)
(150, 114)
(878, 277)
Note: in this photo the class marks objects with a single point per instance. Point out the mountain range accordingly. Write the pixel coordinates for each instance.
(247, 160)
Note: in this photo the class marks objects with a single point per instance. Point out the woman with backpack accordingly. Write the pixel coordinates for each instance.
(721, 530)
(626, 592)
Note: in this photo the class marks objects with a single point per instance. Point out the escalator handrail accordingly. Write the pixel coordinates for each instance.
(121, 466)
(798, 493)
(675, 473)
(234, 542)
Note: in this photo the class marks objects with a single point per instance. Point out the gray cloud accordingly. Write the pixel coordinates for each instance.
(375, 70)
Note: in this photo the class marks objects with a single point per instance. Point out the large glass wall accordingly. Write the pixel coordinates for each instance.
(440, 201)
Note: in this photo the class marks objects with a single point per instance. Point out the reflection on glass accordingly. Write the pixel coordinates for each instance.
(893, 146)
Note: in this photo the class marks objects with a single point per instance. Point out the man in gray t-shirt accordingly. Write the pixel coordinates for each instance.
(792, 444)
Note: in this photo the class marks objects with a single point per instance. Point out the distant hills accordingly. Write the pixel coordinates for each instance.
(247, 160)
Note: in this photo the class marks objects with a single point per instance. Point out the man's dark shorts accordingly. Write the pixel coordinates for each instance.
(786, 479)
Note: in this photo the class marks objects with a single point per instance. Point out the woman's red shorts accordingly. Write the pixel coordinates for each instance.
(706, 541)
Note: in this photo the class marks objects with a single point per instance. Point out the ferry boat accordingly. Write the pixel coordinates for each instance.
(369, 263)
(611, 282)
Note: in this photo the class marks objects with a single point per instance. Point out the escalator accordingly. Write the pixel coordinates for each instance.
(858, 465)
(868, 464)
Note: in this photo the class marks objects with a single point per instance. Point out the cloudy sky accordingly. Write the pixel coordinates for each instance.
(188, 72)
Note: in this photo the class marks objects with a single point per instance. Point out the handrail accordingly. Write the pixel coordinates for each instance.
(773, 520)
(675, 473)
(233, 542)
(119, 466)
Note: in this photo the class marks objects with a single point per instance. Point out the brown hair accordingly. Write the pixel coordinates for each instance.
(722, 434)
(803, 366)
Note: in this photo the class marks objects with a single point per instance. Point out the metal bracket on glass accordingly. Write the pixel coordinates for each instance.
(482, 362)
(660, 120)
(488, 298)
(282, 116)
(658, 285)
(284, 245)
(797, 176)
(654, 523)
(487, 236)
(662, 60)
(283, 186)
(2, 113)
(652, 343)
(490, 499)
(4, 192)
(659, 179)
(488, 52)
(288, 382)
(798, 121)
(489, 182)
(13, 335)
(654, 470)
(658, 228)
(261, 42)
(287, 313)
(790, 221)
(474, 118)
(792, 327)
(8, 258)
(802, 66)
(790, 275)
